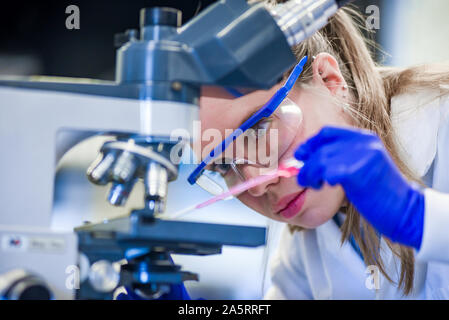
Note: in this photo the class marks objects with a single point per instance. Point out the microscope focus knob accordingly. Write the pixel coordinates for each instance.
(19, 284)
(160, 16)
(104, 276)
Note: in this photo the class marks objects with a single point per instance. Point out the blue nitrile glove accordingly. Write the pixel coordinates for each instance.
(358, 161)
(177, 292)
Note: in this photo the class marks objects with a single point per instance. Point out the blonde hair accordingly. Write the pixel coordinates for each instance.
(372, 88)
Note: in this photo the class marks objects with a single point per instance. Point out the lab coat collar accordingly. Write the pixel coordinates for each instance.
(416, 118)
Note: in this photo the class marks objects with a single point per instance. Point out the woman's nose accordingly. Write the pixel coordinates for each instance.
(250, 172)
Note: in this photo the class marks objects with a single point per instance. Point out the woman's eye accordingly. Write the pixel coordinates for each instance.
(221, 168)
(261, 128)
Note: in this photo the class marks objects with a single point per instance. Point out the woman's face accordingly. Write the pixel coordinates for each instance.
(283, 199)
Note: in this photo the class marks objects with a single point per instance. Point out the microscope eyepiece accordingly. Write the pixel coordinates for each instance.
(300, 19)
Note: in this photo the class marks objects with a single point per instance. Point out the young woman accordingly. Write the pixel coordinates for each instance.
(329, 250)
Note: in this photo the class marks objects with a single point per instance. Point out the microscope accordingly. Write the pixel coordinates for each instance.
(159, 74)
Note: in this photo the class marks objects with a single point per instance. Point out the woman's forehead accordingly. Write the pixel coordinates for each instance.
(220, 110)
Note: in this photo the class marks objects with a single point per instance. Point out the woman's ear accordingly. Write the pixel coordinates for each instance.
(326, 72)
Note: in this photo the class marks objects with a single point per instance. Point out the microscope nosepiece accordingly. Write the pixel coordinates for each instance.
(123, 163)
(120, 192)
(98, 172)
(156, 183)
(125, 168)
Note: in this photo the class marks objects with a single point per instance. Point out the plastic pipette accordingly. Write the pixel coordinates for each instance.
(288, 169)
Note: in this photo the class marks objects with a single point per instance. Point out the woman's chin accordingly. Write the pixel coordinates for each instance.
(311, 219)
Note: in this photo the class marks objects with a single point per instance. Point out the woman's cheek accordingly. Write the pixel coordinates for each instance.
(260, 204)
(252, 202)
(320, 207)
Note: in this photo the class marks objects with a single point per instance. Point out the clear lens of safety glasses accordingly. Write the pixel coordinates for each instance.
(212, 182)
(260, 148)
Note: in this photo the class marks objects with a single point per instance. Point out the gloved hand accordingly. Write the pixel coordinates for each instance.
(177, 292)
(358, 161)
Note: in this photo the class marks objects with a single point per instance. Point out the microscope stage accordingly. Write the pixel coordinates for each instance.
(170, 235)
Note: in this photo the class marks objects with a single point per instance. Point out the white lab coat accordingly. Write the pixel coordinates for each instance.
(314, 265)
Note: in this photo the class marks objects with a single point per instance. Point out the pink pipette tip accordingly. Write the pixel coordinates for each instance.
(287, 169)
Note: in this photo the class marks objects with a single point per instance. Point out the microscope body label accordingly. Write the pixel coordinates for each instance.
(26, 243)
(14, 242)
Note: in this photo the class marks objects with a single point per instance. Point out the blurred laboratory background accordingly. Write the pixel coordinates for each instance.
(35, 41)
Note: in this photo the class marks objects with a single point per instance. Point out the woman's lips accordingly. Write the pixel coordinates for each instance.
(291, 205)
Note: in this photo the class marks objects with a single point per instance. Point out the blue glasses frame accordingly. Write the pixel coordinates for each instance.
(264, 112)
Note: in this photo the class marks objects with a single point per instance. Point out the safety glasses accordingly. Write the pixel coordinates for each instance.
(283, 117)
